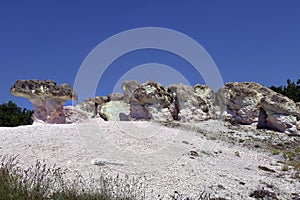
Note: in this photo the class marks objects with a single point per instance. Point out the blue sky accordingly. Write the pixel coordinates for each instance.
(248, 40)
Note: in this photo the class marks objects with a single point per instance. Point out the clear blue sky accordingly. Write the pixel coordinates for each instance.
(250, 40)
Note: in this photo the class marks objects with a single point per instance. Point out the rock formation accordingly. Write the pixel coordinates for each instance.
(243, 103)
(115, 111)
(47, 97)
(116, 97)
(153, 101)
(249, 102)
(88, 106)
(298, 125)
(92, 106)
(128, 88)
(298, 110)
(74, 115)
(193, 103)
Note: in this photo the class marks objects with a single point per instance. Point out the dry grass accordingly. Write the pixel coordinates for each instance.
(40, 182)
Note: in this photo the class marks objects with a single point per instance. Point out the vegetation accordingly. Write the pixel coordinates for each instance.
(291, 90)
(42, 183)
(11, 115)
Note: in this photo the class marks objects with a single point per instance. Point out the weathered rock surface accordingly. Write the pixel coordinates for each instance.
(88, 106)
(250, 102)
(298, 125)
(128, 88)
(282, 123)
(74, 115)
(92, 105)
(207, 94)
(116, 97)
(153, 101)
(298, 110)
(47, 97)
(194, 103)
(115, 111)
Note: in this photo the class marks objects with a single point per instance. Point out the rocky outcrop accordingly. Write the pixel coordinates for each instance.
(92, 106)
(88, 106)
(207, 94)
(243, 103)
(74, 115)
(193, 103)
(153, 101)
(298, 110)
(249, 102)
(298, 125)
(128, 88)
(116, 97)
(115, 111)
(47, 97)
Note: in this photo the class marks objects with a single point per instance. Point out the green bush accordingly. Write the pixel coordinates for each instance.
(11, 115)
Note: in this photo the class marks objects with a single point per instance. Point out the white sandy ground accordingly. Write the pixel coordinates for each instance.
(159, 153)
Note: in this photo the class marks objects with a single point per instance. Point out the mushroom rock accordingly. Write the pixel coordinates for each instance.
(153, 101)
(250, 102)
(47, 97)
(128, 88)
(193, 103)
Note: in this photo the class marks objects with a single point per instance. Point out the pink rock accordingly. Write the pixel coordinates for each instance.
(47, 97)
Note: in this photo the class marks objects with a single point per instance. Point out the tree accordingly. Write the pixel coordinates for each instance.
(11, 115)
(291, 90)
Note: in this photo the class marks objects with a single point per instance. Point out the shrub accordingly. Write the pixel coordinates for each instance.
(40, 182)
(285, 167)
(11, 115)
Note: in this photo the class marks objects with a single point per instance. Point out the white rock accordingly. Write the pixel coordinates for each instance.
(115, 111)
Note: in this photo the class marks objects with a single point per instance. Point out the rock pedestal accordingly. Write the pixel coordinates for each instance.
(47, 97)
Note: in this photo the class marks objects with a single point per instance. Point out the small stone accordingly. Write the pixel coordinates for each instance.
(242, 183)
(221, 187)
(194, 153)
(266, 169)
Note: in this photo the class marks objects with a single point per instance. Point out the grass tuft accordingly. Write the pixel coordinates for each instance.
(40, 182)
